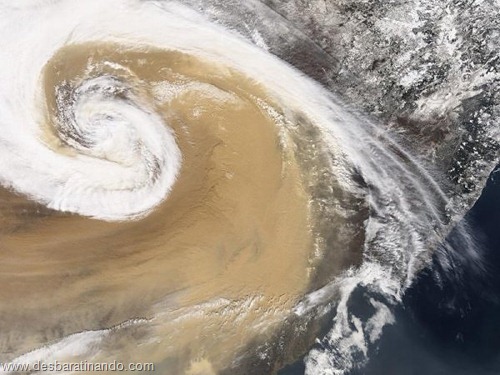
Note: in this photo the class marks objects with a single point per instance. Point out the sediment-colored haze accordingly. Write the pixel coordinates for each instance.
(175, 194)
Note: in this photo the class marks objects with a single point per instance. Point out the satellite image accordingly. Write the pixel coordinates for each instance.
(250, 187)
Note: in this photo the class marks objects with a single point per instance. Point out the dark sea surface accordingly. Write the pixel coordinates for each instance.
(449, 322)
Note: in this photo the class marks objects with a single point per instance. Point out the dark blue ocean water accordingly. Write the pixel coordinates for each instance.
(449, 322)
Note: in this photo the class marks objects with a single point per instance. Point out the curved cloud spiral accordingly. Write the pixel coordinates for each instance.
(124, 159)
(231, 191)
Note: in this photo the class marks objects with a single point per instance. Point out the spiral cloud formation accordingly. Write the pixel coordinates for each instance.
(167, 181)
(106, 151)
